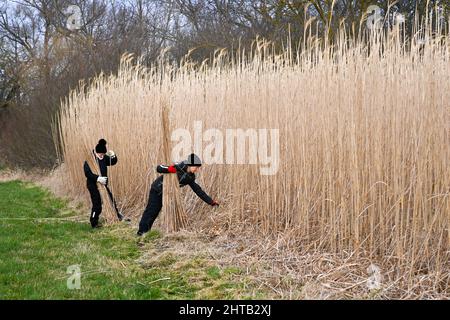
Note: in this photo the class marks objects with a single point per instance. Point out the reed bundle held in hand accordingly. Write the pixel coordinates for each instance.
(174, 216)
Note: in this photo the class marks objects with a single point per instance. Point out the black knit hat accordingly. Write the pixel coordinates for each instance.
(193, 161)
(101, 146)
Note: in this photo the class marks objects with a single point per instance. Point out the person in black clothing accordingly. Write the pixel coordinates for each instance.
(185, 171)
(103, 159)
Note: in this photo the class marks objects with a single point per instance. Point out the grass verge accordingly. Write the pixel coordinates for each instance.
(43, 243)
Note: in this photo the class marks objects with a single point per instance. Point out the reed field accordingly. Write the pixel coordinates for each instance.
(364, 146)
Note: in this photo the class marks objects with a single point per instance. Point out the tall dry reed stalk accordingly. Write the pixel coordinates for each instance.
(364, 132)
(173, 214)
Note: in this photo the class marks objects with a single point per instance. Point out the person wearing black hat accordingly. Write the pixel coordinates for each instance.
(185, 171)
(100, 159)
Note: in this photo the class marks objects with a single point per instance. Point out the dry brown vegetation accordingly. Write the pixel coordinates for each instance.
(364, 172)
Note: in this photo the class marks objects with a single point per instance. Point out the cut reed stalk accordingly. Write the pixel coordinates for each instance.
(173, 215)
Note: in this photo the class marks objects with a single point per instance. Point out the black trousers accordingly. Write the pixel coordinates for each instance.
(151, 212)
(96, 204)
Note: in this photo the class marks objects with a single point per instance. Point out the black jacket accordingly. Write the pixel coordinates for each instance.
(103, 164)
(184, 178)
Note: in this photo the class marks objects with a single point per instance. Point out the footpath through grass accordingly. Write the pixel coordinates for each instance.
(41, 239)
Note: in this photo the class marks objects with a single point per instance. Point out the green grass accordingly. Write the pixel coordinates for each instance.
(39, 242)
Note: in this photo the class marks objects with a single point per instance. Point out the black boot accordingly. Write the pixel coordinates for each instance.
(94, 220)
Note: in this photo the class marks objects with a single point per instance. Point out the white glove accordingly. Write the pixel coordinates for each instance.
(111, 154)
(102, 180)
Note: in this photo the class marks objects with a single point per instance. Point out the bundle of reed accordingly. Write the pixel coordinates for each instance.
(173, 216)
